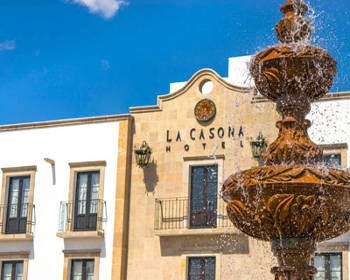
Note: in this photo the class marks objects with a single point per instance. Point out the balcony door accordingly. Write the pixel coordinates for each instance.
(17, 207)
(332, 160)
(201, 268)
(204, 191)
(328, 265)
(82, 269)
(12, 270)
(86, 201)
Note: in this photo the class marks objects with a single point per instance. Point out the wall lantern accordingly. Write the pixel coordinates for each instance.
(143, 154)
(258, 146)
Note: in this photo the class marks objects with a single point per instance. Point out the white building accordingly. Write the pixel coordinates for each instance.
(64, 210)
(61, 183)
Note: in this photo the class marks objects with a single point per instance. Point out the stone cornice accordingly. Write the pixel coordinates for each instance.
(65, 122)
(334, 146)
(19, 169)
(328, 97)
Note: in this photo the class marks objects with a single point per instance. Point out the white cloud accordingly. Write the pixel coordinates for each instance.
(105, 64)
(8, 45)
(106, 8)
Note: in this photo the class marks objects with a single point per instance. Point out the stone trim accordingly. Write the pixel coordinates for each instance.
(65, 122)
(17, 237)
(70, 255)
(328, 97)
(16, 256)
(334, 146)
(80, 234)
(19, 254)
(198, 232)
(330, 246)
(82, 253)
(335, 96)
(19, 169)
(87, 164)
(345, 265)
(121, 215)
(192, 158)
(201, 74)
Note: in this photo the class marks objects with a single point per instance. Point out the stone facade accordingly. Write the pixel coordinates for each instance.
(179, 141)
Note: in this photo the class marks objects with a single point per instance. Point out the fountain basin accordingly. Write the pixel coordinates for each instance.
(293, 70)
(282, 202)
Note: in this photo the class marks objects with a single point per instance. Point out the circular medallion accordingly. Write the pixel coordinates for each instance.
(205, 110)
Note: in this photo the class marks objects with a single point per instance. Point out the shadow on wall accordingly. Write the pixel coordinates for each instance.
(18, 246)
(220, 243)
(78, 244)
(150, 176)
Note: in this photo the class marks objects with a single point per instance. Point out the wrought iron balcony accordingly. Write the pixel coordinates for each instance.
(82, 216)
(177, 215)
(17, 218)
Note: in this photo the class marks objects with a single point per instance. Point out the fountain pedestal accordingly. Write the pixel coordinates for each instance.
(293, 255)
(293, 201)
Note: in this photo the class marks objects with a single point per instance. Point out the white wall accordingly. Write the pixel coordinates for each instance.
(78, 143)
(238, 74)
(331, 122)
(331, 125)
(238, 71)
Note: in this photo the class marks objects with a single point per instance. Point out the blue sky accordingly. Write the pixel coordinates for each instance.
(79, 58)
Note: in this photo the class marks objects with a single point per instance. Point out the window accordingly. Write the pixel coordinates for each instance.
(17, 209)
(12, 270)
(17, 206)
(332, 160)
(81, 264)
(86, 200)
(82, 269)
(204, 189)
(335, 155)
(85, 211)
(328, 265)
(201, 268)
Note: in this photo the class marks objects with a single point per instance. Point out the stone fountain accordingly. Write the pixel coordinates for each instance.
(293, 201)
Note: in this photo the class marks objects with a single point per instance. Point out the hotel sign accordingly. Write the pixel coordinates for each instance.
(195, 135)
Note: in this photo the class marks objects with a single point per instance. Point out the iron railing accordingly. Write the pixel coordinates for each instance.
(17, 218)
(70, 210)
(174, 213)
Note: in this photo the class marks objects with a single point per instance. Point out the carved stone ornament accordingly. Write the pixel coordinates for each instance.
(205, 110)
(294, 26)
(294, 201)
(288, 215)
(293, 145)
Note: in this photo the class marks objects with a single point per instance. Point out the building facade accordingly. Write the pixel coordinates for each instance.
(64, 184)
(76, 205)
(178, 223)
